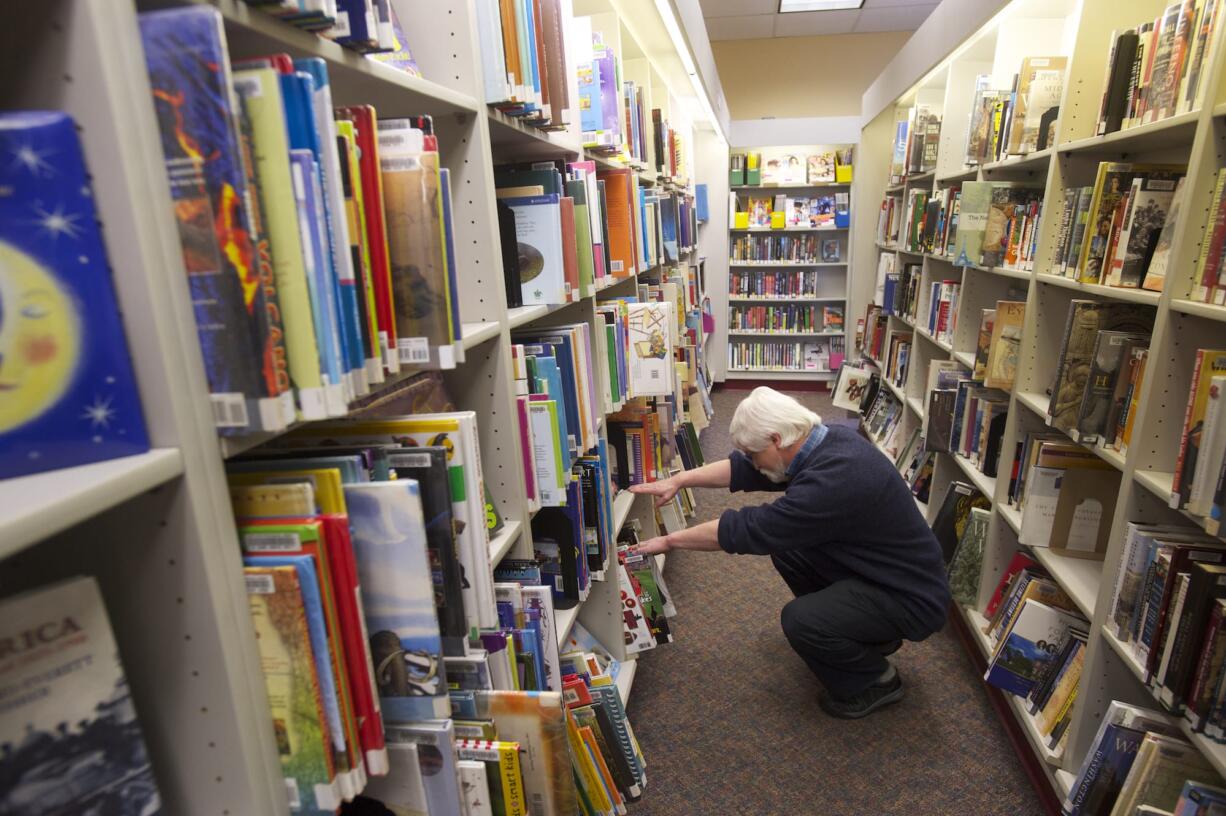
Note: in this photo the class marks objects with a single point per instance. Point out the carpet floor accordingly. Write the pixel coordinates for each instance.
(727, 714)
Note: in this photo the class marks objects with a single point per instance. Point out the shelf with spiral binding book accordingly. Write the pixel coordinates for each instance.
(1064, 287)
(786, 277)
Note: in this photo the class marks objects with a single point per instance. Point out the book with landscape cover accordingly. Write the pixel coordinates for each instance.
(67, 720)
(967, 562)
(1024, 646)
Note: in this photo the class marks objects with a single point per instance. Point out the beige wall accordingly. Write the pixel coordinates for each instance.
(802, 76)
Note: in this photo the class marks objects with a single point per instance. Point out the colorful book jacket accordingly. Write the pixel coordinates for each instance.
(67, 392)
(72, 741)
(236, 312)
(389, 542)
(279, 615)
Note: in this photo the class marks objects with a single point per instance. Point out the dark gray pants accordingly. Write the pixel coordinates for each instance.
(840, 628)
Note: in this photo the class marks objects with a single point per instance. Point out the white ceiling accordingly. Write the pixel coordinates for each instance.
(755, 19)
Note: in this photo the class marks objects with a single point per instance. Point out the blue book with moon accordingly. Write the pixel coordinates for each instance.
(389, 544)
(67, 392)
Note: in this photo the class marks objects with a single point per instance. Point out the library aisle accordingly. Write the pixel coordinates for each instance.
(730, 693)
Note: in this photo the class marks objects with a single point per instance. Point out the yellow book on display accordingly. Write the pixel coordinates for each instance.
(740, 220)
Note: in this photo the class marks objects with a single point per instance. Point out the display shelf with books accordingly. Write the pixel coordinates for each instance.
(153, 529)
(1107, 363)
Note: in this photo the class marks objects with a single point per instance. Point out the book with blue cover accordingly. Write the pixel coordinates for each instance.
(1028, 644)
(236, 316)
(389, 544)
(68, 395)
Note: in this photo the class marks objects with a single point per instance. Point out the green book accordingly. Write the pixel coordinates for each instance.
(577, 190)
(972, 221)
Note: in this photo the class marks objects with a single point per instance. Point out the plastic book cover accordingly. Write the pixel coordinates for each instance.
(370, 196)
(972, 222)
(1004, 348)
(251, 501)
(340, 240)
(475, 788)
(355, 26)
(1025, 646)
(538, 610)
(298, 534)
(500, 773)
(399, 56)
(650, 594)
(610, 701)
(359, 248)
(457, 433)
(636, 629)
(389, 543)
(74, 744)
(185, 53)
(416, 246)
(1109, 360)
(403, 789)
(278, 612)
(557, 534)
(437, 758)
(538, 234)
(651, 339)
(323, 640)
(965, 567)
(453, 281)
(70, 395)
(428, 466)
(537, 721)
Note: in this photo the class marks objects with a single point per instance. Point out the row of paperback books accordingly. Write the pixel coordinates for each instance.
(883, 420)
(798, 249)
(1209, 283)
(782, 166)
(314, 238)
(992, 224)
(781, 284)
(783, 318)
(774, 355)
(897, 358)
(1156, 70)
(943, 309)
(366, 547)
(792, 212)
(1118, 231)
(1140, 763)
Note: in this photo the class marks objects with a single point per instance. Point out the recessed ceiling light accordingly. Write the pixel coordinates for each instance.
(786, 6)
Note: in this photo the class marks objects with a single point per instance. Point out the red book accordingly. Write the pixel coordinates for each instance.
(570, 250)
(1019, 562)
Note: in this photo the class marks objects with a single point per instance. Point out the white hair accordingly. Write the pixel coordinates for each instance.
(764, 412)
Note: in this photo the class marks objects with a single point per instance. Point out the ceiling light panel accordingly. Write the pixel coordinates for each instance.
(786, 6)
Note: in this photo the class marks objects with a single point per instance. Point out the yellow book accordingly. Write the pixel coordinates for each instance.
(506, 781)
(779, 219)
(587, 774)
(326, 483)
(355, 214)
(602, 767)
(1062, 696)
(267, 500)
(740, 220)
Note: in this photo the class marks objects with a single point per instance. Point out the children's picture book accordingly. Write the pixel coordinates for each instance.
(72, 743)
(821, 168)
(852, 385)
(68, 391)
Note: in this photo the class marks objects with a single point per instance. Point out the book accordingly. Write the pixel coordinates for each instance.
(1040, 84)
(1161, 767)
(236, 311)
(967, 562)
(389, 545)
(1004, 349)
(403, 790)
(475, 788)
(1209, 364)
(1108, 361)
(1149, 202)
(500, 770)
(1110, 757)
(435, 743)
(65, 706)
(279, 615)
(949, 524)
(70, 394)
(1155, 272)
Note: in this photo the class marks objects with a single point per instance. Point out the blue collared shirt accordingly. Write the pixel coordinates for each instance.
(815, 438)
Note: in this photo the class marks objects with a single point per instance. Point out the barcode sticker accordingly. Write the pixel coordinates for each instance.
(229, 410)
(271, 542)
(291, 792)
(558, 584)
(413, 350)
(340, 28)
(616, 266)
(260, 584)
(395, 164)
(409, 460)
(247, 86)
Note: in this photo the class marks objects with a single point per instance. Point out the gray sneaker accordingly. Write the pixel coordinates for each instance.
(876, 696)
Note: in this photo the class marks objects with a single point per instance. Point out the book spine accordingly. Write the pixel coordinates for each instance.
(1176, 498)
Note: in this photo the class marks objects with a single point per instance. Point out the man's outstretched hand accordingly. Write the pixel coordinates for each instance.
(653, 546)
(663, 490)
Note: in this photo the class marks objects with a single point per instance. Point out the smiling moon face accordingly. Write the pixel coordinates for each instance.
(40, 339)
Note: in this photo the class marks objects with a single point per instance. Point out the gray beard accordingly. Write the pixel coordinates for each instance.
(776, 476)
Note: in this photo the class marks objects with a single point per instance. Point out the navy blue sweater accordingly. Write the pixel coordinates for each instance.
(851, 512)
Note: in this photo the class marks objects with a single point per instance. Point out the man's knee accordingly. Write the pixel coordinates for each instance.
(799, 621)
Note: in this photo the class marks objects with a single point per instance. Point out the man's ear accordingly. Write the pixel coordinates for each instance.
(776, 439)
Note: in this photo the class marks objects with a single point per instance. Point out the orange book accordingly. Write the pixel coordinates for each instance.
(510, 46)
(570, 250)
(620, 218)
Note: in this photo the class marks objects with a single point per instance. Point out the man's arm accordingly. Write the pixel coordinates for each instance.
(704, 537)
(716, 474)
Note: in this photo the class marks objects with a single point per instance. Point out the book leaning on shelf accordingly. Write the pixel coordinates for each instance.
(72, 742)
(1198, 485)
(63, 355)
(313, 238)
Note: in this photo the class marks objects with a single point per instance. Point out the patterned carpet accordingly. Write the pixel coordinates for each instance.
(728, 719)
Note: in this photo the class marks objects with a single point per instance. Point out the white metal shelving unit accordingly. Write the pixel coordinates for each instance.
(156, 530)
(1078, 29)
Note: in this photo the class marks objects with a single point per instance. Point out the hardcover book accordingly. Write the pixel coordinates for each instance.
(236, 312)
(69, 394)
(389, 544)
(1027, 645)
(436, 755)
(1005, 348)
(72, 740)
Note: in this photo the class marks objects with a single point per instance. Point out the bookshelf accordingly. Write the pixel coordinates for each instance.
(1078, 31)
(156, 530)
(761, 292)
